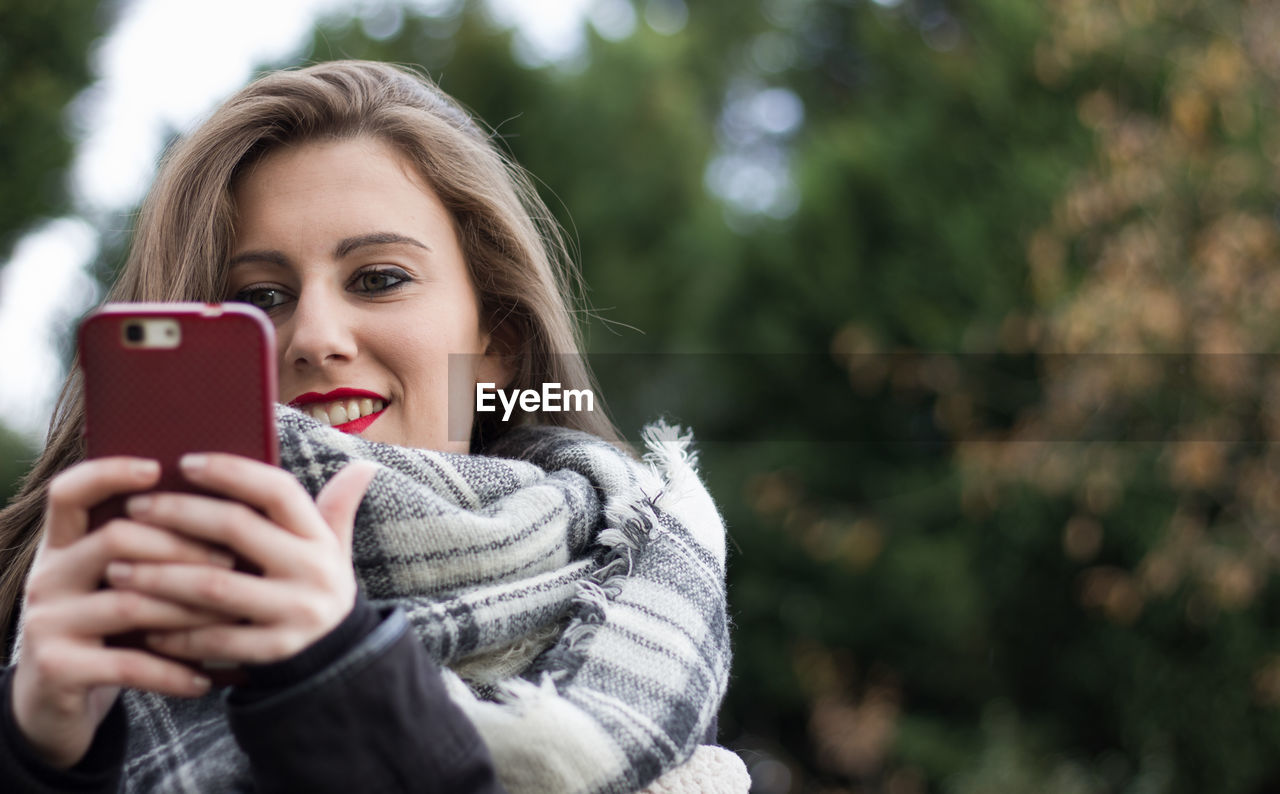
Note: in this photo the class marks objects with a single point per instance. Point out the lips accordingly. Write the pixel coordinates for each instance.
(348, 410)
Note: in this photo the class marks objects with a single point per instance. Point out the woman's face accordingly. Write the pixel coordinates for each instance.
(356, 261)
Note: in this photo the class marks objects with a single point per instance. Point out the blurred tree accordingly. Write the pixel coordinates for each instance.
(791, 179)
(913, 220)
(16, 456)
(1156, 297)
(44, 63)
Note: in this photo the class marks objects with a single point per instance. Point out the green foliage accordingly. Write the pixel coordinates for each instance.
(44, 48)
(875, 623)
(16, 457)
(942, 578)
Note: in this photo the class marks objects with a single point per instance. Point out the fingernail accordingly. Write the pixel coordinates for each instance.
(194, 462)
(144, 468)
(119, 570)
(201, 682)
(138, 504)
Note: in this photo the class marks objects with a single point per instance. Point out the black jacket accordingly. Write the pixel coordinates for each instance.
(386, 726)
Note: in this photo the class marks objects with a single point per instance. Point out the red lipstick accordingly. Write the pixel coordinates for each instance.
(355, 426)
(337, 394)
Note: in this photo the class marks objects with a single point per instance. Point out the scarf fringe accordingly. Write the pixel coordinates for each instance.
(540, 571)
(670, 447)
(670, 459)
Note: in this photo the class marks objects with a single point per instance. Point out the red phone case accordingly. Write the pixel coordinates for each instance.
(213, 391)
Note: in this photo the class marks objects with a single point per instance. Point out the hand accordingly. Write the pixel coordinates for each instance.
(66, 678)
(303, 548)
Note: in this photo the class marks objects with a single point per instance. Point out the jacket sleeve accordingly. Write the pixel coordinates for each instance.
(21, 769)
(377, 718)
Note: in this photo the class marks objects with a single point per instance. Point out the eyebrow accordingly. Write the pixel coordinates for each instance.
(343, 248)
(374, 238)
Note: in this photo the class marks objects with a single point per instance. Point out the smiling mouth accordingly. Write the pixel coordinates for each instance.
(348, 410)
(344, 411)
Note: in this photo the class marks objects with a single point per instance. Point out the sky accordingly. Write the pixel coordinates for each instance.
(124, 117)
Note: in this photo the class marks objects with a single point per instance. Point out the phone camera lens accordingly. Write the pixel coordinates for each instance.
(133, 332)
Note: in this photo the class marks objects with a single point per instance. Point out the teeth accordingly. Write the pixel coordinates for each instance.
(342, 411)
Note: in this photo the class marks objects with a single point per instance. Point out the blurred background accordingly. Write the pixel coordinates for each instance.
(976, 304)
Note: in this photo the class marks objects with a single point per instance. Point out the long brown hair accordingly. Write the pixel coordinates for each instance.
(515, 252)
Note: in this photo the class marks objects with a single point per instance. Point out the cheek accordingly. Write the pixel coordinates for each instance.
(433, 332)
(418, 361)
(429, 399)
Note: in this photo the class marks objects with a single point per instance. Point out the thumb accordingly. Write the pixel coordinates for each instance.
(339, 499)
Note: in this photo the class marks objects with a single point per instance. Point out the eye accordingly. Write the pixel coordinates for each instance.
(375, 281)
(265, 298)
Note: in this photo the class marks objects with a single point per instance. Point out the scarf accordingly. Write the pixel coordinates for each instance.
(574, 595)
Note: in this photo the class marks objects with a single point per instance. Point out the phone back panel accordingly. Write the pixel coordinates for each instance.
(212, 392)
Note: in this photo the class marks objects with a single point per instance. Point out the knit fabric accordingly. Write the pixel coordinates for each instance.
(576, 595)
(711, 770)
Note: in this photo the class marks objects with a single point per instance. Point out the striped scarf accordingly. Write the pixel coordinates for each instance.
(574, 595)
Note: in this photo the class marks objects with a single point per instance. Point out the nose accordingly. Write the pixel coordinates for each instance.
(318, 333)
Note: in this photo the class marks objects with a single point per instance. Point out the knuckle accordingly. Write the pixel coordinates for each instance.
(130, 670)
(64, 705)
(277, 503)
(285, 489)
(282, 481)
(280, 646)
(129, 606)
(47, 662)
(114, 538)
(177, 642)
(311, 569)
(239, 519)
(163, 506)
(310, 612)
(35, 622)
(228, 535)
(210, 642)
(60, 491)
(213, 586)
(40, 586)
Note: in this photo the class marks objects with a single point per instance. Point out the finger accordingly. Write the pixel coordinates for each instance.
(78, 666)
(80, 566)
(86, 484)
(106, 612)
(236, 594)
(268, 488)
(228, 643)
(341, 497)
(219, 522)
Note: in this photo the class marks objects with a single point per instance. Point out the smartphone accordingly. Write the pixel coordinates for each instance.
(165, 379)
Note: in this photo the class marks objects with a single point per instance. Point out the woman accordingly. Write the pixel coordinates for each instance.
(382, 231)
